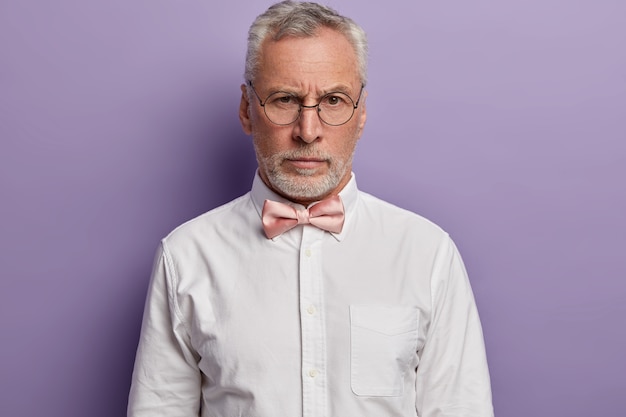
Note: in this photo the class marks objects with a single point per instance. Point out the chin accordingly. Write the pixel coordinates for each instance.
(302, 186)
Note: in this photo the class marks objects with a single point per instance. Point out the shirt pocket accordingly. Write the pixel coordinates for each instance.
(383, 340)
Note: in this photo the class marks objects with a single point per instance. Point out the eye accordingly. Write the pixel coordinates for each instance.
(335, 100)
(282, 99)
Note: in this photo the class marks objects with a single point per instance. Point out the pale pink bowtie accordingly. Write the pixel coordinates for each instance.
(279, 217)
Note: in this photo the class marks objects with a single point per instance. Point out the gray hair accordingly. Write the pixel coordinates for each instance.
(302, 19)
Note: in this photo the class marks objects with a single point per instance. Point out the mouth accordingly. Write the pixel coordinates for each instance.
(306, 162)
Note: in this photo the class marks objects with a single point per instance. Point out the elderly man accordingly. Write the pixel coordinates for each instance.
(307, 297)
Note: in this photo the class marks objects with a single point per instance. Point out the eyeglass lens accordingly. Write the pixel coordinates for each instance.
(334, 108)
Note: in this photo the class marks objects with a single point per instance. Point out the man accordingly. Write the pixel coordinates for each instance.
(262, 309)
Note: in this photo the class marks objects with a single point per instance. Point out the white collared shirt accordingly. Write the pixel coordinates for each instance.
(376, 321)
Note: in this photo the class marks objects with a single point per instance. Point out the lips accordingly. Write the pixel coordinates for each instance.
(307, 163)
(307, 159)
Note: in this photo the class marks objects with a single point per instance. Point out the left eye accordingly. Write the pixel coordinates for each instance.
(333, 100)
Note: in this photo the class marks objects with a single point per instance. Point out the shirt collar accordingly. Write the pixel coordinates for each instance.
(261, 192)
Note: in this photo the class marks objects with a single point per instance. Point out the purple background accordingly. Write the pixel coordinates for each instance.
(504, 122)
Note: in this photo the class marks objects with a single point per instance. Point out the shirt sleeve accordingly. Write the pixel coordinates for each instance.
(166, 379)
(452, 375)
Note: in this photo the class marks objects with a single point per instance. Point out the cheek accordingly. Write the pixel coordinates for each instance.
(272, 138)
(348, 151)
(347, 143)
(267, 143)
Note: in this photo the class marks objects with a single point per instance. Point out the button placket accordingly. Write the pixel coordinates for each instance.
(312, 324)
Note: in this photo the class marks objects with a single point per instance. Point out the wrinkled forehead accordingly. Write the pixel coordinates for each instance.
(328, 56)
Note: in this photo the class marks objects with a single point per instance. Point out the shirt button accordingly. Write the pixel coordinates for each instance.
(311, 309)
(308, 253)
(313, 373)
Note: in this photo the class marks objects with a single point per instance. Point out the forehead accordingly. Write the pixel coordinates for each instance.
(308, 62)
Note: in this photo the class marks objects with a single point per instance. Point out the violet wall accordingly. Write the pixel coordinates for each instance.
(503, 121)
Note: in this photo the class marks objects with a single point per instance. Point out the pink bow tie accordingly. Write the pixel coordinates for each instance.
(279, 217)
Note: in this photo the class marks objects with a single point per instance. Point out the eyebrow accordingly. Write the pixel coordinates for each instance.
(337, 88)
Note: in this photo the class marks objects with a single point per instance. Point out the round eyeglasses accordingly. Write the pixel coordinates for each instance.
(283, 108)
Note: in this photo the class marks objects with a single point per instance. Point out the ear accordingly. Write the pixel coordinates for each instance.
(244, 111)
(363, 113)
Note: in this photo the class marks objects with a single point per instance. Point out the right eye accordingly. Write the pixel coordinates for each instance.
(283, 99)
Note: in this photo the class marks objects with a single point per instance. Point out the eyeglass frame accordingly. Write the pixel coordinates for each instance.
(355, 105)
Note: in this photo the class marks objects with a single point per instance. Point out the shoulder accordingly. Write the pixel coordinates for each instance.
(217, 222)
(392, 217)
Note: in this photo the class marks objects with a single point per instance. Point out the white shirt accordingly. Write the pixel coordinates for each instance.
(378, 320)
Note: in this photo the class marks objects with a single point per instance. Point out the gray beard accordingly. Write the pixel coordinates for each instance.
(305, 187)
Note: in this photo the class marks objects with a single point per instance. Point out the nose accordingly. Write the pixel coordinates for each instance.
(308, 127)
